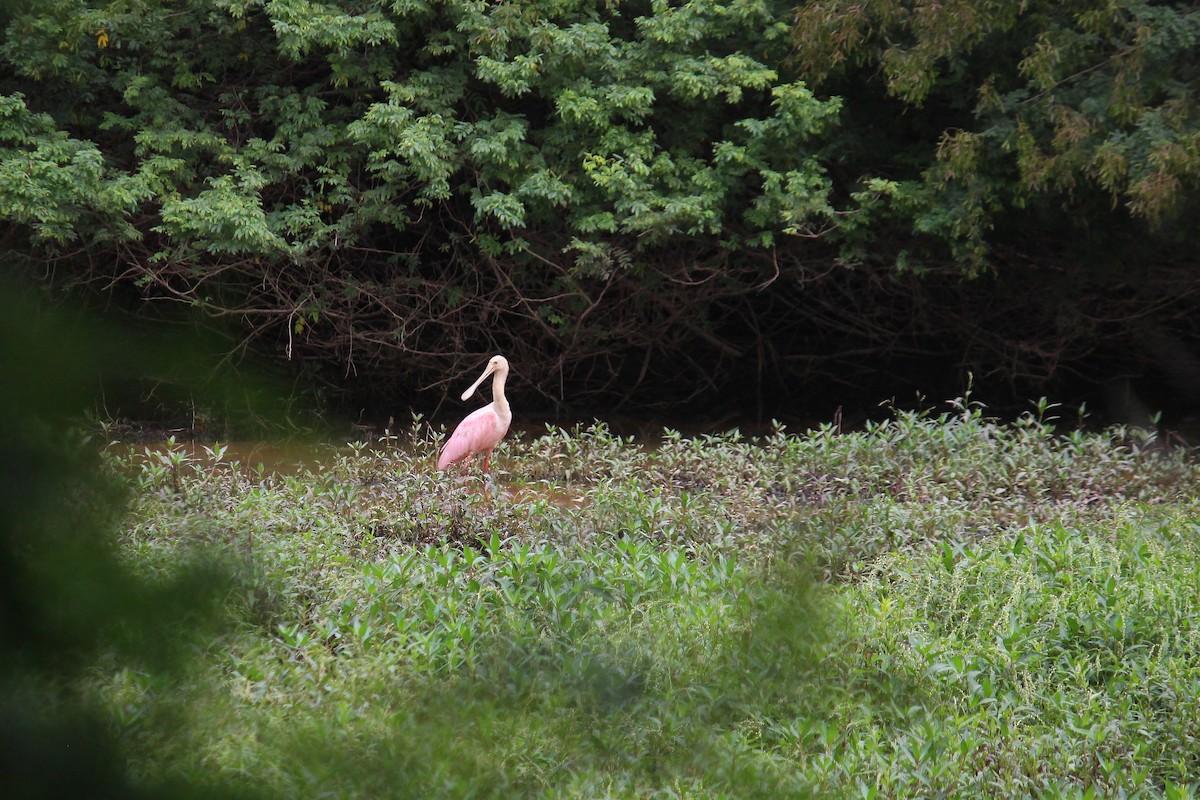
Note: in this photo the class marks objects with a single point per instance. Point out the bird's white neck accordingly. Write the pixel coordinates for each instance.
(498, 398)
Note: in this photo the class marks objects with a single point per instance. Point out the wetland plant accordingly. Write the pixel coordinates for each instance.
(936, 605)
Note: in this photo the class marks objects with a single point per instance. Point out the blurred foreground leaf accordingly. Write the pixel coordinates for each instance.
(67, 600)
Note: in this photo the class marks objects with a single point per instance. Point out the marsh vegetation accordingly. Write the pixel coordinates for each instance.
(936, 605)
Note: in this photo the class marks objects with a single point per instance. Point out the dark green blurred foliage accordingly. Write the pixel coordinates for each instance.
(67, 601)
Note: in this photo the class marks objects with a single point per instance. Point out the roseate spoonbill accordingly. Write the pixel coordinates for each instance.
(483, 429)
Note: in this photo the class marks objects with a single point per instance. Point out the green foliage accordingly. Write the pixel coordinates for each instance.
(53, 183)
(610, 76)
(1071, 110)
(254, 158)
(1062, 652)
(1006, 610)
(606, 189)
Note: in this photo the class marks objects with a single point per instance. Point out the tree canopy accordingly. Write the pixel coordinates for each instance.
(630, 199)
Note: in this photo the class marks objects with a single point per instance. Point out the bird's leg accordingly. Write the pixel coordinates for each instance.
(487, 479)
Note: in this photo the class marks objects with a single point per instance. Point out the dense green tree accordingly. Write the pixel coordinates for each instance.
(625, 197)
(1050, 149)
(410, 182)
(1081, 107)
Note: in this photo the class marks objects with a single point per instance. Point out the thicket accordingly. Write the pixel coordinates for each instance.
(630, 199)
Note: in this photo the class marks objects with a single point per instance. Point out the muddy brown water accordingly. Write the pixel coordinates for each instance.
(273, 457)
(295, 456)
(292, 456)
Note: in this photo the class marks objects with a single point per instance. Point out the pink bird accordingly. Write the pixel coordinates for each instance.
(483, 429)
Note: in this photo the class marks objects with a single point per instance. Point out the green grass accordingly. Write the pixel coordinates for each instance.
(936, 606)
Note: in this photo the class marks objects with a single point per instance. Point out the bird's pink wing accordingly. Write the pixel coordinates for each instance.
(476, 433)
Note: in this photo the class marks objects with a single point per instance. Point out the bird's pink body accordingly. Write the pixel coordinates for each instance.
(480, 432)
(483, 429)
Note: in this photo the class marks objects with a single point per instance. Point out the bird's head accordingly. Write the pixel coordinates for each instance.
(497, 365)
